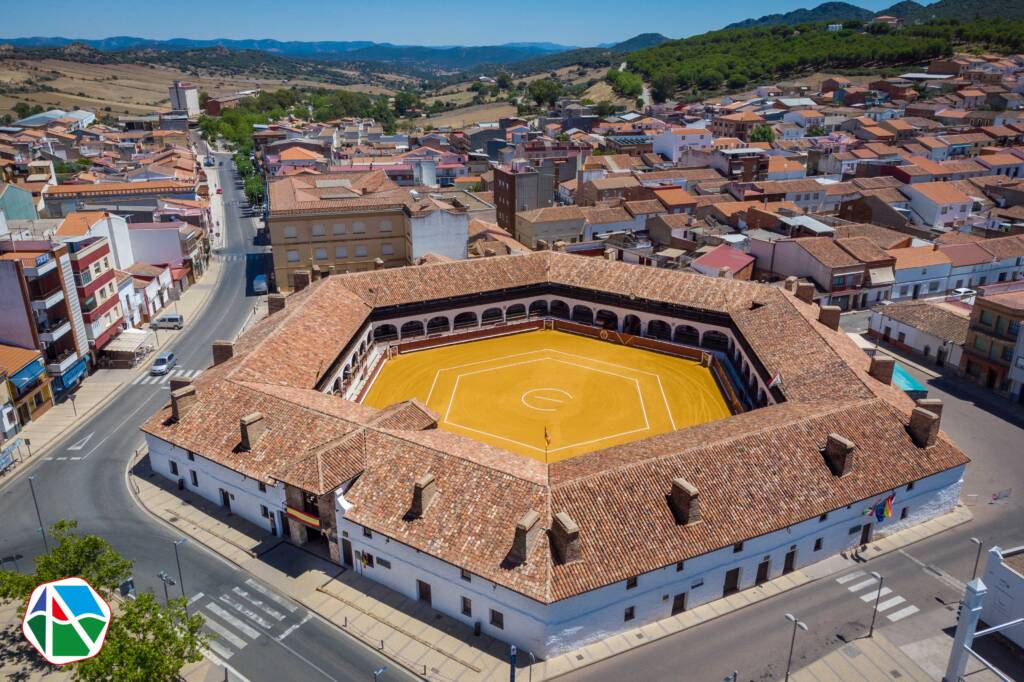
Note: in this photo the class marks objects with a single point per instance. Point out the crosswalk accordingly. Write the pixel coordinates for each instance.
(164, 379)
(244, 614)
(231, 256)
(867, 585)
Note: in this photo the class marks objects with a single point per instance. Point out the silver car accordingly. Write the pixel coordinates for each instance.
(163, 363)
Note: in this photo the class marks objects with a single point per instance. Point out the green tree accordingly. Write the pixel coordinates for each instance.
(404, 101)
(762, 133)
(544, 91)
(605, 108)
(625, 83)
(814, 131)
(146, 642)
(254, 190)
(663, 86)
(504, 81)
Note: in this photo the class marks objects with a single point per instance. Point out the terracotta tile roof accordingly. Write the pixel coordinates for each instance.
(863, 249)
(942, 193)
(13, 358)
(827, 252)
(938, 320)
(918, 257)
(969, 253)
(1004, 247)
(77, 223)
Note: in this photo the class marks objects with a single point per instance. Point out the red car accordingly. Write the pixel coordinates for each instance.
(220, 190)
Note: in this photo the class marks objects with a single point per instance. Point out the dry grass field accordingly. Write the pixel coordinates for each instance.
(121, 88)
(467, 116)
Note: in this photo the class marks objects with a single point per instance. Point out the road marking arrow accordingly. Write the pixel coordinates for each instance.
(80, 444)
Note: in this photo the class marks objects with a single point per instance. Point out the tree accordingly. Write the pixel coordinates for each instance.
(663, 86)
(814, 131)
(604, 108)
(404, 101)
(254, 190)
(544, 91)
(146, 641)
(762, 133)
(625, 83)
(504, 81)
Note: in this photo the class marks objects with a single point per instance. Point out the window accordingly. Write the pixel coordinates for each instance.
(854, 530)
(339, 228)
(679, 566)
(387, 249)
(106, 263)
(986, 318)
(261, 486)
(738, 547)
(467, 607)
(290, 232)
(933, 285)
(318, 230)
(465, 575)
(293, 256)
(264, 512)
(901, 337)
(360, 252)
(191, 457)
(1007, 353)
(320, 254)
(904, 512)
(384, 563)
(904, 291)
(367, 533)
(498, 619)
(340, 252)
(629, 614)
(174, 468)
(910, 486)
(385, 226)
(367, 560)
(817, 545)
(823, 517)
(358, 227)
(195, 479)
(630, 582)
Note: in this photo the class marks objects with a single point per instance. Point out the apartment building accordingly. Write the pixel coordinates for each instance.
(26, 385)
(522, 187)
(96, 288)
(993, 347)
(738, 125)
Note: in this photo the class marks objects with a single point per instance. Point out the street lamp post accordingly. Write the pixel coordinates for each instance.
(166, 580)
(177, 560)
(378, 672)
(977, 557)
(39, 517)
(797, 623)
(874, 614)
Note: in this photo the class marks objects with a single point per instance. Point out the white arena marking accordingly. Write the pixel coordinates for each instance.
(565, 397)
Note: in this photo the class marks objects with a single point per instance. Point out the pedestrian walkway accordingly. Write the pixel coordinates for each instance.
(165, 379)
(871, 659)
(860, 580)
(436, 647)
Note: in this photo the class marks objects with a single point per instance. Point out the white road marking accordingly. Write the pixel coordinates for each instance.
(74, 459)
(849, 576)
(889, 603)
(246, 611)
(902, 613)
(225, 633)
(876, 594)
(219, 649)
(287, 632)
(273, 613)
(281, 601)
(861, 585)
(195, 597)
(252, 633)
(80, 444)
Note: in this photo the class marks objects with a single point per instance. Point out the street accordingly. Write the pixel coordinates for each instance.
(280, 639)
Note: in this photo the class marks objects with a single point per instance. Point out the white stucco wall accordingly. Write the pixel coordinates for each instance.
(1004, 600)
(440, 232)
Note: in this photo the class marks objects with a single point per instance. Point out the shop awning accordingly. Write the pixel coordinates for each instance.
(881, 276)
(127, 342)
(27, 374)
(71, 377)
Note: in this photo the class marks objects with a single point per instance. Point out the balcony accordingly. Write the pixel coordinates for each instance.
(50, 331)
(41, 268)
(48, 300)
(61, 364)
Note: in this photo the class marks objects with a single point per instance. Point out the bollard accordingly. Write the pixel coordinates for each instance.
(382, 645)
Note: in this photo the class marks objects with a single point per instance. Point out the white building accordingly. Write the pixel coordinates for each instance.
(935, 330)
(184, 96)
(673, 142)
(921, 271)
(938, 204)
(1004, 601)
(443, 231)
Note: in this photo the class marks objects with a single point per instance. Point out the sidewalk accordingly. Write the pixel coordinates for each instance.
(422, 640)
(100, 388)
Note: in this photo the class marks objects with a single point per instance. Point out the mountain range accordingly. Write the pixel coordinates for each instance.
(909, 11)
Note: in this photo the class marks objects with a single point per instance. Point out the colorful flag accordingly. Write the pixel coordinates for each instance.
(883, 510)
(888, 506)
(776, 381)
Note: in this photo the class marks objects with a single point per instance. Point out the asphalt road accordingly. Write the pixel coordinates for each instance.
(263, 636)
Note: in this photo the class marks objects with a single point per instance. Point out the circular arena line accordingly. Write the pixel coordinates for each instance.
(552, 397)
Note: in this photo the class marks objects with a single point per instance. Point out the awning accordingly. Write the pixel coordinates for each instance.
(71, 377)
(127, 342)
(881, 276)
(27, 374)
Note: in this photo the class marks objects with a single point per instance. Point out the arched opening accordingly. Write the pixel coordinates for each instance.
(684, 333)
(385, 332)
(631, 325)
(346, 373)
(560, 309)
(539, 309)
(413, 328)
(465, 320)
(582, 314)
(607, 319)
(338, 386)
(659, 329)
(492, 315)
(762, 398)
(515, 312)
(438, 324)
(715, 341)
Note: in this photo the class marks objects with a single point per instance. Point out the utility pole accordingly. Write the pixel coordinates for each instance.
(797, 623)
(177, 560)
(977, 557)
(878, 596)
(42, 528)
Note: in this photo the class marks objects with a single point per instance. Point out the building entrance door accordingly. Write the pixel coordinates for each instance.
(762, 572)
(865, 534)
(346, 552)
(732, 582)
(225, 499)
(423, 592)
(679, 603)
(790, 562)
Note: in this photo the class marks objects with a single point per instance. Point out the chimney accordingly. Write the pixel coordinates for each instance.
(923, 427)
(828, 315)
(526, 532)
(565, 538)
(222, 351)
(790, 283)
(932, 405)
(326, 272)
(182, 400)
(839, 454)
(252, 426)
(300, 280)
(881, 368)
(179, 382)
(805, 292)
(423, 492)
(275, 303)
(378, 263)
(685, 501)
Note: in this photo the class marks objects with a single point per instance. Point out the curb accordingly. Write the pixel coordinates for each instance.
(649, 639)
(128, 475)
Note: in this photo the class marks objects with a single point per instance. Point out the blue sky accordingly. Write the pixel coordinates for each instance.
(444, 22)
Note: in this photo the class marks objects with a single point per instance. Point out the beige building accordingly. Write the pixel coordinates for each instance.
(549, 225)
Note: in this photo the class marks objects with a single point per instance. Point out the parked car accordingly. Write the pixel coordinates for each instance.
(964, 292)
(172, 321)
(163, 363)
(259, 284)
(220, 190)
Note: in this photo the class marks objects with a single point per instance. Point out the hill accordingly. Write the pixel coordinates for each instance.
(909, 11)
(640, 42)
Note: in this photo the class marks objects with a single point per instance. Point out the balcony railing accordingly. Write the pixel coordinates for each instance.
(51, 330)
(62, 363)
(47, 300)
